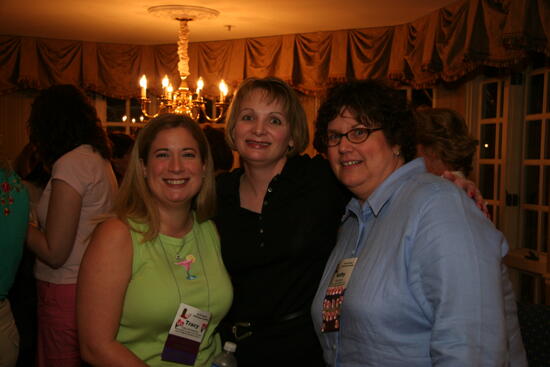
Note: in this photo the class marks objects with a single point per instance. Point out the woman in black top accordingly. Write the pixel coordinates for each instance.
(277, 217)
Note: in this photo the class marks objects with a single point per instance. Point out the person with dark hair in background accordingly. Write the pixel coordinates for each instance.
(416, 277)
(14, 216)
(121, 145)
(221, 152)
(66, 131)
(447, 147)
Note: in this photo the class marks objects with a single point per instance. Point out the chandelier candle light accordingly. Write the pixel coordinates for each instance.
(183, 101)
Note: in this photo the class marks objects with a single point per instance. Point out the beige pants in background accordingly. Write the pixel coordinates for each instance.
(9, 337)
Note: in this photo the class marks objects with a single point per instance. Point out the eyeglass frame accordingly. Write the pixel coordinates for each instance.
(369, 131)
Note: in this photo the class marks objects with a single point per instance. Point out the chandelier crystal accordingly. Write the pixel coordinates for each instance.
(183, 101)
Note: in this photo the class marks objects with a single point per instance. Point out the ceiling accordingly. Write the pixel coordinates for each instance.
(129, 22)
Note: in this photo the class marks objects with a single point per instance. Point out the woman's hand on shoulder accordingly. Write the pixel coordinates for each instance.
(470, 188)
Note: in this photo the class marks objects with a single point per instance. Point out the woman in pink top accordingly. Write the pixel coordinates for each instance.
(66, 131)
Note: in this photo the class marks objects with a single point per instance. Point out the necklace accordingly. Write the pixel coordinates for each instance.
(178, 257)
(187, 224)
(199, 239)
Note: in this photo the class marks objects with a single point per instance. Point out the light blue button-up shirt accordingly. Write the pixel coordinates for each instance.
(428, 288)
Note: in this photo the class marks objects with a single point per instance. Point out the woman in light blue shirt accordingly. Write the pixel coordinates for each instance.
(416, 277)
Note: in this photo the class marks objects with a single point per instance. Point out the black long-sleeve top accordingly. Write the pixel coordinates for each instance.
(276, 258)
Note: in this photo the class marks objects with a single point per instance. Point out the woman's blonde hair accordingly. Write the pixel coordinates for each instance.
(135, 200)
(275, 90)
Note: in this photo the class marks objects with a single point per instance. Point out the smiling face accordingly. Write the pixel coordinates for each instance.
(174, 168)
(262, 132)
(361, 167)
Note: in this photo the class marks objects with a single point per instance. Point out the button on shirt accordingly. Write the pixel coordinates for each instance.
(428, 287)
(276, 257)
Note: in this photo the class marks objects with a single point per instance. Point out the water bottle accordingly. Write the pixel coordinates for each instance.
(226, 357)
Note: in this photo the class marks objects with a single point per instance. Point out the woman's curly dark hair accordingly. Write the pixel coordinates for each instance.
(373, 104)
(61, 119)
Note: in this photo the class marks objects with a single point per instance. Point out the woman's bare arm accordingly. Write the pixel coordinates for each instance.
(54, 245)
(104, 275)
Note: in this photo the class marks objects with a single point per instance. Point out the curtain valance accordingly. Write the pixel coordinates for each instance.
(444, 45)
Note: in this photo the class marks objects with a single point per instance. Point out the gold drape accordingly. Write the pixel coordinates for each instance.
(444, 45)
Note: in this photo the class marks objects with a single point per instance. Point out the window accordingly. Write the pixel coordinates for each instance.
(536, 162)
(513, 170)
(492, 125)
(121, 115)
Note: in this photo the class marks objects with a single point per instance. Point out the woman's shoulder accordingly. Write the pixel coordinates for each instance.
(426, 193)
(206, 225)
(112, 234)
(111, 242)
(314, 174)
(78, 151)
(429, 184)
(81, 157)
(420, 188)
(229, 177)
(227, 185)
(113, 226)
(85, 170)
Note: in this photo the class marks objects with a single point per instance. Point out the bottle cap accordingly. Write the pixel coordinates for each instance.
(230, 347)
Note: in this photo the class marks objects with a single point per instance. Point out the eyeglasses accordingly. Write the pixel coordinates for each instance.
(355, 136)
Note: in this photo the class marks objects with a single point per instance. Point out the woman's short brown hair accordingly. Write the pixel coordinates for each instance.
(446, 134)
(275, 90)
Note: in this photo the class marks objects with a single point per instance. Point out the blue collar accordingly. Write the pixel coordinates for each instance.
(385, 191)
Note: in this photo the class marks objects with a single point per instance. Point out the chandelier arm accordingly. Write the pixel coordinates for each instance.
(216, 118)
(195, 116)
(145, 102)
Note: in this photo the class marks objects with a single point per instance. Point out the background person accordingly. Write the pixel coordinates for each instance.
(14, 216)
(416, 277)
(448, 149)
(443, 140)
(23, 295)
(121, 145)
(158, 252)
(70, 142)
(221, 152)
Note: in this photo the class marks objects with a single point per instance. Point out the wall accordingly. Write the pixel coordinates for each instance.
(14, 112)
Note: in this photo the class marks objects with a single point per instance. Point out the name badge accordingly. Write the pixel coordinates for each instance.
(334, 297)
(185, 335)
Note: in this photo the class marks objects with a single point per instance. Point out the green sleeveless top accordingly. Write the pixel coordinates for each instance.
(153, 295)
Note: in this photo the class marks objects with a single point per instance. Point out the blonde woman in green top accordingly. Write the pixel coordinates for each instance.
(152, 285)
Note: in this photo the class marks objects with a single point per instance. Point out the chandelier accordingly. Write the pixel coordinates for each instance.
(183, 101)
